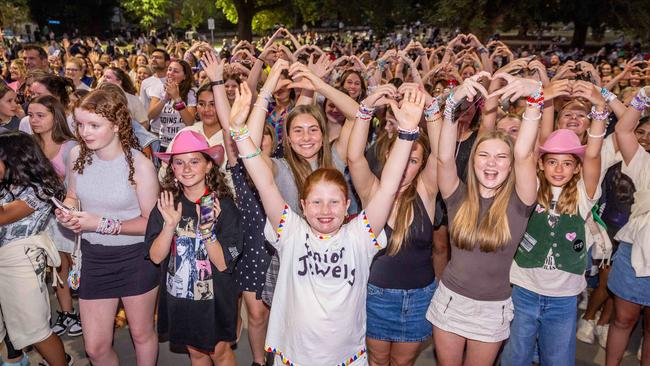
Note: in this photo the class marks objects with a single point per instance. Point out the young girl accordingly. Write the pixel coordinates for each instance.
(401, 281)
(116, 187)
(629, 279)
(9, 109)
(318, 311)
(27, 183)
(471, 308)
(174, 103)
(195, 233)
(56, 86)
(549, 266)
(48, 123)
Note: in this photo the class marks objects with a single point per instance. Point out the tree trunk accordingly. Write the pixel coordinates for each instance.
(245, 13)
(579, 34)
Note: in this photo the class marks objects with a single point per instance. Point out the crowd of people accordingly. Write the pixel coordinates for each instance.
(357, 196)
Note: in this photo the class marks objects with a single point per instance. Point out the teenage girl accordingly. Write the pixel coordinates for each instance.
(116, 187)
(318, 311)
(548, 272)
(471, 309)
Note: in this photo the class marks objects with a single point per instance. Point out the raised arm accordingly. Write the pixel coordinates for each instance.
(408, 116)
(551, 91)
(525, 163)
(257, 116)
(259, 171)
(447, 175)
(213, 67)
(365, 182)
(627, 141)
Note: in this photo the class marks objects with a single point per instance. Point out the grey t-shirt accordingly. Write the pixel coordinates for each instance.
(484, 276)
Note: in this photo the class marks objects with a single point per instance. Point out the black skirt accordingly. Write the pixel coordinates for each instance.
(109, 272)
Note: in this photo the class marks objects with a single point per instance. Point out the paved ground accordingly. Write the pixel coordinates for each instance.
(586, 354)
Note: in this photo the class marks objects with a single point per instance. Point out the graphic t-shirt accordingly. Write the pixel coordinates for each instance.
(318, 315)
(30, 224)
(169, 122)
(198, 303)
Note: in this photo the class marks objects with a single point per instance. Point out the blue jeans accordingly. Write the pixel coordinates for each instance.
(547, 321)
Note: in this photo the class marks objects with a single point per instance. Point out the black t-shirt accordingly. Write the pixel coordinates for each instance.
(198, 304)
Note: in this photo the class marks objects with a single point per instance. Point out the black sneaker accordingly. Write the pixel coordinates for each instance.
(63, 321)
(75, 330)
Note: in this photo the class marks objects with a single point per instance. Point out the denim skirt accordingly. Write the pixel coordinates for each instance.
(623, 281)
(396, 315)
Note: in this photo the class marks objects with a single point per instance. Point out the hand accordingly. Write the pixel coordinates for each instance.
(241, 107)
(171, 89)
(66, 219)
(587, 90)
(589, 69)
(321, 67)
(473, 41)
(213, 66)
(171, 215)
(556, 89)
(565, 71)
(540, 70)
(381, 96)
(409, 113)
(516, 88)
(303, 78)
(470, 88)
(84, 221)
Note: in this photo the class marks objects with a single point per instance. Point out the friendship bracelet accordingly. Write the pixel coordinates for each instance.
(408, 135)
(431, 110)
(596, 136)
(450, 107)
(537, 98)
(525, 117)
(109, 226)
(251, 155)
(365, 113)
(239, 134)
(641, 101)
(608, 95)
(599, 116)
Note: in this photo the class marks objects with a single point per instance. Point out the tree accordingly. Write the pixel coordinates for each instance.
(194, 13)
(13, 12)
(243, 13)
(147, 11)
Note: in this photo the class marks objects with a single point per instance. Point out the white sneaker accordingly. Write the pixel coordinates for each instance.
(601, 333)
(585, 299)
(586, 330)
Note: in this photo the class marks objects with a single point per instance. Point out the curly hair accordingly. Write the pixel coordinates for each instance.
(214, 179)
(111, 106)
(27, 166)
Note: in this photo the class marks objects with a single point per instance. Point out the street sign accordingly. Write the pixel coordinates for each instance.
(210, 23)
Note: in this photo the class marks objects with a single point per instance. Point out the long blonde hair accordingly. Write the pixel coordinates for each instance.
(405, 204)
(300, 166)
(492, 231)
(567, 204)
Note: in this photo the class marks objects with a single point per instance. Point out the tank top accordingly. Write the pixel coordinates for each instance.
(412, 266)
(104, 189)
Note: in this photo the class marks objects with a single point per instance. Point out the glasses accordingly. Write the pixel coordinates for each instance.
(71, 70)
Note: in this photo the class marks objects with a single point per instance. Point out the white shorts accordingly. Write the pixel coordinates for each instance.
(485, 321)
(24, 298)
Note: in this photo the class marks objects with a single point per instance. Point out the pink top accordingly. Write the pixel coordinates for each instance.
(59, 159)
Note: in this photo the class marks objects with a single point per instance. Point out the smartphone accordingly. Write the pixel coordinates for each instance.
(62, 206)
(206, 209)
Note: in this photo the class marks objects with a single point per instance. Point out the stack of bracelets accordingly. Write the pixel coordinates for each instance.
(599, 116)
(431, 110)
(208, 234)
(239, 134)
(365, 113)
(641, 101)
(450, 107)
(535, 100)
(109, 226)
(408, 135)
(608, 95)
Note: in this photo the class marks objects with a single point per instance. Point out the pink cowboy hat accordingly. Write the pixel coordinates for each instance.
(563, 141)
(190, 141)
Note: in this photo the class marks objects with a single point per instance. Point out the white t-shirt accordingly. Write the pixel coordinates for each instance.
(169, 122)
(637, 229)
(548, 280)
(146, 89)
(136, 109)
(318, 315)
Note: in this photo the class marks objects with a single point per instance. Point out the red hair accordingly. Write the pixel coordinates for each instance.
(327, 175)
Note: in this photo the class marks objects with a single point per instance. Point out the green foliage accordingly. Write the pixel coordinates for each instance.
(195, 13)
(13, 12)
(147, 11)
(228, 9)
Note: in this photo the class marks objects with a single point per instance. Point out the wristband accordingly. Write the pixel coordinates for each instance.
(179, 106)
(596, 136)
(599, 116)
(365, 113)
(537, 98)
(217, 83)
(431, 110)
(450, 107)
(608, 95)
(408, 135)
(251, 155)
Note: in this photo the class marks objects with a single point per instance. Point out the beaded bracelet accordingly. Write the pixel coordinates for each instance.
(239, 134)
(537, 98)
(408, 135)
(525, 117)
(599, 116)
(431, 110)
(108, 226)
(608, 95)
(641, 101)
(452, 83)
(596, 136)
(365, 113)
(450, 107)
(251, 155)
